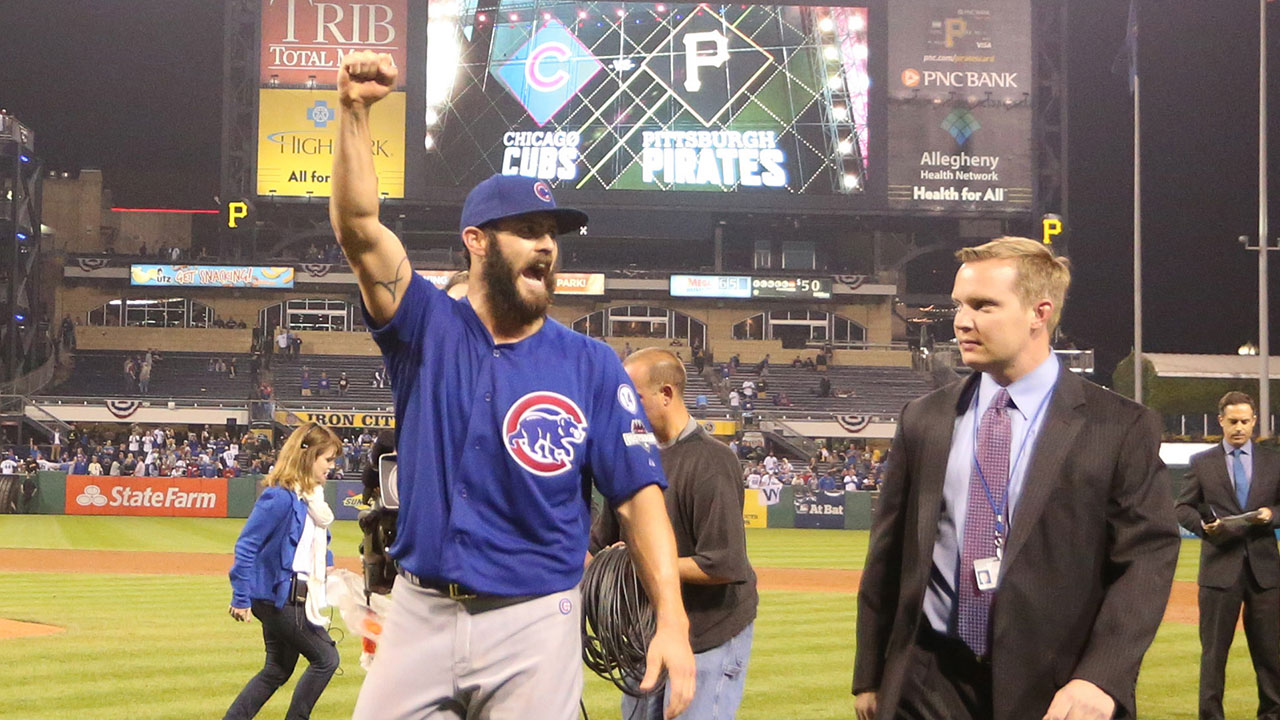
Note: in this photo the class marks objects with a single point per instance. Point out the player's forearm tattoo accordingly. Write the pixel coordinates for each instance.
(393, 286)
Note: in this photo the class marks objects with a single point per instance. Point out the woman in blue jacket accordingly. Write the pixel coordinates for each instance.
(280, 565)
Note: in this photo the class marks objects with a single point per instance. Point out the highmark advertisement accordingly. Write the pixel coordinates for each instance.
(297, 130)
(960, 88)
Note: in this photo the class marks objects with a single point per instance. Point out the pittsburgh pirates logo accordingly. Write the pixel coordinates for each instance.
(542, 431)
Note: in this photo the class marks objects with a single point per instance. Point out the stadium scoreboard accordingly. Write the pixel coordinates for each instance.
(746, 287)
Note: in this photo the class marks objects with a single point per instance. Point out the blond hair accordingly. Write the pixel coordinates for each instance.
(293, 468)
(662, 367)
(1040, 276)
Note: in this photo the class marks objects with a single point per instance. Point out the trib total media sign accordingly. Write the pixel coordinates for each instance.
(156, 496)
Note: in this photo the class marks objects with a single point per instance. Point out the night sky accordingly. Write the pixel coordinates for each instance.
(134, 87)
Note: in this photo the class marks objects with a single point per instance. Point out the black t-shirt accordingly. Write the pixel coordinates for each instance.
(704, 501)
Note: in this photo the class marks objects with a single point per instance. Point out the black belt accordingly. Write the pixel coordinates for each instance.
(953, 649)
(453, 590)
(297, 590)
(476, 601)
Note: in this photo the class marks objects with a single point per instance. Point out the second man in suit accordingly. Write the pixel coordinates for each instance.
(1239, 564)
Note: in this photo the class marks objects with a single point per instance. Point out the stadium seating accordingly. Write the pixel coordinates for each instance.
(100, 373)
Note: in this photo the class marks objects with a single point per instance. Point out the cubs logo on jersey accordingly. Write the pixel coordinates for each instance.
(543, 431)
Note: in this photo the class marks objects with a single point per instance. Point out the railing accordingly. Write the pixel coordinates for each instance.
(786, 432)
(32, 382)
(1196, 427)
(147, 401)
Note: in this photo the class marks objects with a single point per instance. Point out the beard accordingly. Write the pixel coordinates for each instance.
(511, 310)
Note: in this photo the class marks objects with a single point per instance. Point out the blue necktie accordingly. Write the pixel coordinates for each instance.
(1241, 478)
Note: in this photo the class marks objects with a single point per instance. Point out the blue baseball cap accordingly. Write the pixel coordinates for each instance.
(504, 196)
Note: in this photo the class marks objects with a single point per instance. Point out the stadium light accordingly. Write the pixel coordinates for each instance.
(582, 14)
(826, 24)
(840, 112)
(428, 142)
(833, 82)
(482, 17)
(851, 181)
(830, 52)
(432, 117)
(1247, 349)
(846, 147)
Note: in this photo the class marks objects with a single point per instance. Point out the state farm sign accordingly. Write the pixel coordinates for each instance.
(168, 497)
(306, 38)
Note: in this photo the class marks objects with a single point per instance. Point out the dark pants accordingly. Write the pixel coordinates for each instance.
(287, 633)
(948, 682)
(1219, 610)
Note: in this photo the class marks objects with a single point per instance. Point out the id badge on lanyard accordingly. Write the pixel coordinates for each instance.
(986, 571)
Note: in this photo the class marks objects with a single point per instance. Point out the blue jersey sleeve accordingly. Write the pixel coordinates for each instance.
(406, 327)
(622, 452)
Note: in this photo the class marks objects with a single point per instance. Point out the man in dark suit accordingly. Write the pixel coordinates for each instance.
(1238, 564)
(1024, 545)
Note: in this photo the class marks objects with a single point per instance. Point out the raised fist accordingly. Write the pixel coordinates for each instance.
(365, 77)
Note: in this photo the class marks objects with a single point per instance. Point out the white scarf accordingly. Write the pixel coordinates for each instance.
(321, 515)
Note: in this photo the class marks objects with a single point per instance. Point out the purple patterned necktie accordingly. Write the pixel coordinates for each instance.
(992, 453)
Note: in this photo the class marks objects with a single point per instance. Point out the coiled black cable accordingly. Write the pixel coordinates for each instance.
(617, 620)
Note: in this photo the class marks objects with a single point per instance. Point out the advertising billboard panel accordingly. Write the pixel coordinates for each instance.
(154, 496)
(303, 41)
(959, 107)
(296, 134)
(226, 276)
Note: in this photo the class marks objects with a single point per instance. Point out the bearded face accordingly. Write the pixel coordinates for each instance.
(519, 279)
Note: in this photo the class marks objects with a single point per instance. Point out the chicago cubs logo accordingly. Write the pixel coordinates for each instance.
(542, 430)
(546, 70)
(558, 53)
(543, 191)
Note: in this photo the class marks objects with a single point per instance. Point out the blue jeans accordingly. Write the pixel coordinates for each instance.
(287, 633)
(722, 676)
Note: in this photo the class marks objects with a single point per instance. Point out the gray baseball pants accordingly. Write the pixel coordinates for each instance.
(443, 659)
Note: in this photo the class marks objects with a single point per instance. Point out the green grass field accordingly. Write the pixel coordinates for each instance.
(151, 646)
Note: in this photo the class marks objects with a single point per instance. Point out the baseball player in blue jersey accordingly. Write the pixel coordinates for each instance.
(504, 419)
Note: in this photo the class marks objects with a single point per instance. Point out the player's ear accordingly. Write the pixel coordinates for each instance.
(476, 240)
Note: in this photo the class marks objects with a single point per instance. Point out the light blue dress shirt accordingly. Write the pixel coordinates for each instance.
(1030, 394)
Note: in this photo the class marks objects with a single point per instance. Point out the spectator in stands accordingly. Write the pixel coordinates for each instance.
(80, 466)
(144, 378)
(781, 399)
(748, 388)
(323, 384)
(827, 483)
(734, 362)
(699, 360)
(305, 382)
(129, 466)
(95, 466)
(735, 403)
(343, 384)
(9, 465)
(117, 468)
(626, 350)
(725, 373)
(749, 411)
(821, 362)
(231, 368)
(771, 463)
(295, 342)
(824, 387)
(142, 249)
(282, 341)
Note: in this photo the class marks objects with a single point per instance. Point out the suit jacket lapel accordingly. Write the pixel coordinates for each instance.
(1257, 495)
(1226, 502)
(936, 450)
(1062, 422)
